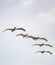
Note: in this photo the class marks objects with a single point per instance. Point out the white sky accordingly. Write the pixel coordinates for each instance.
(38, 18)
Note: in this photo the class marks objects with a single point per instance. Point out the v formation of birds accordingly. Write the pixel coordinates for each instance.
(32, 37)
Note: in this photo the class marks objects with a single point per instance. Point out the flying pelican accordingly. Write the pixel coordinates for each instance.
(13, 29)
(36, 38)
(42, 45)
(44, 52)
(24, 35)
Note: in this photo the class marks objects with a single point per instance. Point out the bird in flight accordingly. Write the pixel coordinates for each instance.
(13, 29)
(23, 35)
(42, 45)
(36, 38)
(44, 52)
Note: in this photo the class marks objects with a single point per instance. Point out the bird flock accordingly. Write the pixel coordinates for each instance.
(32, 37)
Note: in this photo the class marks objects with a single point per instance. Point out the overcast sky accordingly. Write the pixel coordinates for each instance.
(38, 18)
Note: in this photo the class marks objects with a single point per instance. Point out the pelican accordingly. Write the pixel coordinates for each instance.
(36, 38)
(42, 45)
(24, 35)
(13, 29)
(44, 52)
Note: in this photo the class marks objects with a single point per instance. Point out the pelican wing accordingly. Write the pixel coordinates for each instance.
(36, 44)
(48, 45)
(35, 38)
(43, 39)
(49, 52)
(30, 36)
(7, 29)
(20, 29)
(39, 51)
(19, 34)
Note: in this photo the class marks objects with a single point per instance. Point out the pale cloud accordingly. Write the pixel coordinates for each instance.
(50, 13)
(41, 14)
(10, 1)
(26, 2)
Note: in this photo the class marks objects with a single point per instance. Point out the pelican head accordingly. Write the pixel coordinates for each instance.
(14, 27)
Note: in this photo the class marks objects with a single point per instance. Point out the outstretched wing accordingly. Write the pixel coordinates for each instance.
(31, 37)
(35, 38)
(49, 52)
(7, 29)
(43, 39)
(20, 29)
(39, 51)
(19, 34)
(24, 35)
(36, 44)
(48, 45)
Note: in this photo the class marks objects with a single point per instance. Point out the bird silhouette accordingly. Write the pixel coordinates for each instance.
(36, 38)
(42, 45)
(23, 35)
(13, 29)
(44, 52)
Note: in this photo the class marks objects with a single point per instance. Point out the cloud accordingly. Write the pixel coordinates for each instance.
(26, 2)
(10, 1)
(50, 13)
